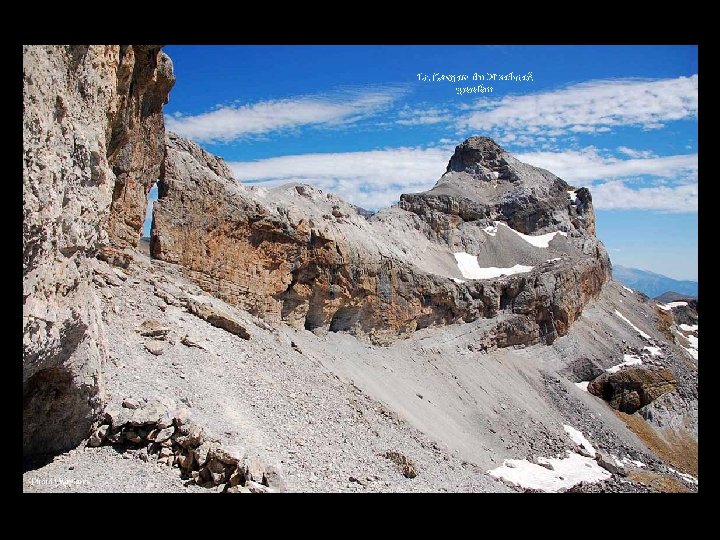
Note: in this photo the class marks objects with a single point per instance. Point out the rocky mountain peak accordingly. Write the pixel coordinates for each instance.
(474, 152)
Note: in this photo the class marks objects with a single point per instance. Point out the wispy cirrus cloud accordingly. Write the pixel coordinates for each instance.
(373, 179)
(590, 107)
(376, 179)
(423, 116)
(230, 122)
(630, 152)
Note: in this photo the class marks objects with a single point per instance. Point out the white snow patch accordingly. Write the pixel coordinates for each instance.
(642, 334)
(654, 351)
(541, 241)
(582, 385)
(635, 462)
(668, 307)
(573, 196)
(628, 360)
(469, 268)
(689, 327)
(627, 289)
(566, 472)
(555, 259)
(491, 230)
(693, 349)
(684, 476)
(579, 439)
(456, 280)
(495, 174)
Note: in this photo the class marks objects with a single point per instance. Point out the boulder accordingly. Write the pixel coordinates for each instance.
(631, 388)
(407, 467)
(153, 328)
(607, 462)
(130, 403)
(254, 487)
(114, 257)
(156, 347)
(217, 317)
(117, 417)
(190, 436)
(164, 434)
(149, 415)
(98, 436)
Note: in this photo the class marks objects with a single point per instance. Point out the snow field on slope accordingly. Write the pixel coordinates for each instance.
(541, 241)
(668, 307)
(628, 360)
(642, 334)
(553, 474)
(579, 439)
(470, 268)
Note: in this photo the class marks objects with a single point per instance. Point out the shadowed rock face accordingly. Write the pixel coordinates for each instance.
(92, 141)
(308, 258)
(631, 389)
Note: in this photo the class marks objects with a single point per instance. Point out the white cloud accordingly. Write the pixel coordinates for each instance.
(616, 195)
(415, 117)
(588, 107)
(587, 165)
(576, 166)
(227, 123)
(635, 153)
(372, 179)
(376, 179)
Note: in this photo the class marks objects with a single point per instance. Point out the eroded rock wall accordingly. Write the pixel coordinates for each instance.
(91, 122)
(319, 267)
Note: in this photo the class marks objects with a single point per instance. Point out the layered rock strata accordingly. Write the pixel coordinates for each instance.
(308, 258)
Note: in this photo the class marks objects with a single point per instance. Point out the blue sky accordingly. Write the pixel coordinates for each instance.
(362, 122)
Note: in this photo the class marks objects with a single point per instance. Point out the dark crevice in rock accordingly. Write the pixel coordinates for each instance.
(345, 319)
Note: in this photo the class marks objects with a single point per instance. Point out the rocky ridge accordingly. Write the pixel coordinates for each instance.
(312, 260)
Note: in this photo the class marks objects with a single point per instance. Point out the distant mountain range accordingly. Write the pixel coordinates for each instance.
(653, 284)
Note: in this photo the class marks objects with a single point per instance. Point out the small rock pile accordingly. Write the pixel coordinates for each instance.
(407, 467)
(168, 436)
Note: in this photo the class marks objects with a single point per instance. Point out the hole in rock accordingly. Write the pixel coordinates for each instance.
(152, 196)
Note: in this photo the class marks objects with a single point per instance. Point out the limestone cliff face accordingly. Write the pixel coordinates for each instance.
(308, 258)
(92, 143)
